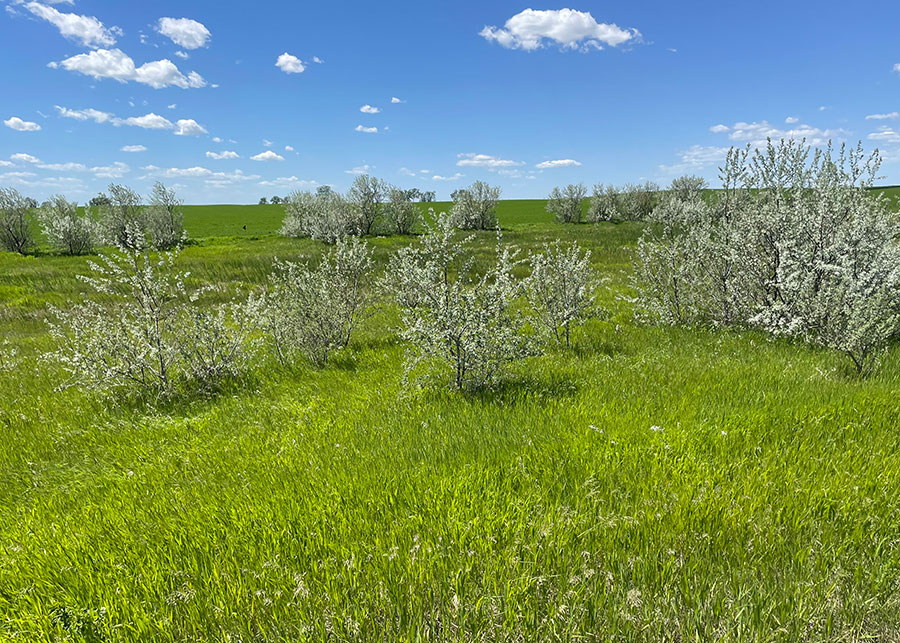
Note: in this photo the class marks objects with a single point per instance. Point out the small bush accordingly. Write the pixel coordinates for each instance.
(401, 213)
(604, 205)
(164, 218)
(217, 344)
(462, 326)
(560, 289)
(149, 335)
(367, 196)
(66, 230)
(123, 215)
(313, 311)
(565, 204)
(15, 219)
(325, 216)
(475, 207)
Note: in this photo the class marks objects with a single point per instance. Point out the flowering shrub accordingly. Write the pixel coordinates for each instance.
(565, 204)
(604, 205)
(164, 218)
(475, 207)
(122, 215)
(149, 336)
(367, 196)
(560, 289)
(458, 324)
(15, 232)
(795, 244)
(325, 216)
(68, 231)
(313, 311)
(401, 212)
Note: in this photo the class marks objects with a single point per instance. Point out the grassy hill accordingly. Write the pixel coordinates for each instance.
(650, 484)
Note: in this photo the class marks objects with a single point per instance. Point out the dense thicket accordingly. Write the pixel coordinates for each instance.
(795, 243)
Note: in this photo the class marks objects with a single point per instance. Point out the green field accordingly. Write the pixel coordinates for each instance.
(649, 484)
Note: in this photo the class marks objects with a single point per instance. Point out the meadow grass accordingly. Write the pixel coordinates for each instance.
(649, 484)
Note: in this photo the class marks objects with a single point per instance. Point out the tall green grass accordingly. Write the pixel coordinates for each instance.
(651, 484)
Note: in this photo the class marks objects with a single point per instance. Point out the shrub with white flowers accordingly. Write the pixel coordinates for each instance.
(147, 335)
(475, 207)
(401, 213)
(796, 243)
(15, 222)
(604, 205)
(218, 343)
(367, 195)
(456, 323)
(164, 218)
(122, 215)
(67, 230)
(325, 216)
(313, 310)
(565, 204)
(560, 289)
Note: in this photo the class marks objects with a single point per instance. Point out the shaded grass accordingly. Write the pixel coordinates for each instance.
(652, 484)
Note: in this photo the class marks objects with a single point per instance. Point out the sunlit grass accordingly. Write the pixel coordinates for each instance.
(650, 484)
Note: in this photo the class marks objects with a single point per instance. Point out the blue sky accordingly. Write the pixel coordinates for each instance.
(526, 96)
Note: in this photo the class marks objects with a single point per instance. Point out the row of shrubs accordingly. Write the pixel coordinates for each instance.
(155, 335)
(372, 206)
(74, 230)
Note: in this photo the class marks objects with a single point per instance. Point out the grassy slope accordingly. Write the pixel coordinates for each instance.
(651, 484)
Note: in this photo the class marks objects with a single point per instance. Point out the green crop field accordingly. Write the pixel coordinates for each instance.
(650, 484)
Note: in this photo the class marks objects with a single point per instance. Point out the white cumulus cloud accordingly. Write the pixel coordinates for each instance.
(86, 29)
(115, 64)
(368, 109)
(147, 121)
(19, 125)
(184, 32)
(455, 177)
(188, 127)
(396, 100)
(484, 160)
(366, 130)
(544, 165)
(567, 28)
(883, 117)
(85, 114)
(227, 154)
(268, 155)
(290, 64)
(21, 157)
(133, 148)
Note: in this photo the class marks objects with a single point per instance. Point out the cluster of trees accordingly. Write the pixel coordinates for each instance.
(632, 202)
(105, 220)
(795, 243)
(153, 335)
(414, 194)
